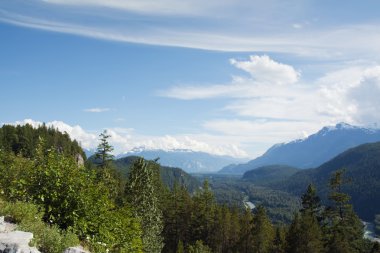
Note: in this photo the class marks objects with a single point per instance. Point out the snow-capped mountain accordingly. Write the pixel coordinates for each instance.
(188, 160)
(313, 150)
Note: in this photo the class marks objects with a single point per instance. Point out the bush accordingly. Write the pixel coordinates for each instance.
(48, 239)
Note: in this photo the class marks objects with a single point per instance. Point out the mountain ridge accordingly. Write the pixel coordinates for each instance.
(312, 151)
(362, 168)
(186, 159)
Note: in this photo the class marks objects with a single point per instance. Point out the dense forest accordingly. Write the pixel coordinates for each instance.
(45, 190)
(361, 165)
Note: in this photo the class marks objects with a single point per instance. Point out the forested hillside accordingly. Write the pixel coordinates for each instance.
(362, 171)
(169, 175)
(269, 174)
(65, 203)
(23, 140)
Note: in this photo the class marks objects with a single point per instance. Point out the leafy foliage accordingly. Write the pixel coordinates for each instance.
(48, 239)
(143, 192)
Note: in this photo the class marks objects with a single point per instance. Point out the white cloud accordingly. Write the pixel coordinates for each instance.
(96, 110)
(210, 25)
(126, 139)
(265, 73)
(87, 140)
(266, 112)
(162, 7)
(265, 70)
(297, 26)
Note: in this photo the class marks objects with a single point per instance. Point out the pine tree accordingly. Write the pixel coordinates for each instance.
(262, 231)
(311, 203)
(344, 229)
(203, 214)
(375, 248)
(279, 242)
(104, 150)
(245, 235)
(180, 248)
(310, 234)
(293, 244)
(143, 194)
(177, 216)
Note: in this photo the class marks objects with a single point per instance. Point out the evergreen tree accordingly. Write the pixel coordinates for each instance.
(279, 242)
(262, 231)
(203, 214)
(198, 247)
(293, 244)
(375, 248)
(309, 236)
(245, 235)
(104, 150)
(311, 203)
(344, 229)
(177, 216)
(180, 248)
(143, 194)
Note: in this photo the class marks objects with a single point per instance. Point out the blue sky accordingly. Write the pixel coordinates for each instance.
(225, 77)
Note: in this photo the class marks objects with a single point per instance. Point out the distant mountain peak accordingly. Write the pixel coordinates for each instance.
(187, 159)
(313, 150)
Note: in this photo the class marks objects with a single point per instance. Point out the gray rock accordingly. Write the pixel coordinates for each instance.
(79, 159)
(16, 242)
(2, 224)
(77, 249)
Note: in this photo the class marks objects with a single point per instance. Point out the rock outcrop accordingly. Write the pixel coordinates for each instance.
(75, 250)
(16, 242)
(13, 241)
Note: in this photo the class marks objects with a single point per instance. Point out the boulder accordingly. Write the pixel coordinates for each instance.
(16, 242)
(2, 224)
(77, 249)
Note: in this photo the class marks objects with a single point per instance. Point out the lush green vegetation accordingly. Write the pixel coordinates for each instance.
(49, 238)
(64, 203)
(23, 140)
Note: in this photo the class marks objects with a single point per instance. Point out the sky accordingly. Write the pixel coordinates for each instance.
(227, 77)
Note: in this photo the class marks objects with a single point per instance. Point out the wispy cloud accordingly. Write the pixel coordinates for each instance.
(194, 24)
(96, 110)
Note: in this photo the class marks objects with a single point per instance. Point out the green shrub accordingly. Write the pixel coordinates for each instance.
(48, 239)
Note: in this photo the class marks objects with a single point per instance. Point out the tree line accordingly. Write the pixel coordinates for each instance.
(137, 213)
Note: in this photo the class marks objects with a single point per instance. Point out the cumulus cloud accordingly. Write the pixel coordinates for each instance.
(96, 110)
(87, 140)
(274, 105)
(352, 95)
(265, 70)
(127, 139)
(264, 73)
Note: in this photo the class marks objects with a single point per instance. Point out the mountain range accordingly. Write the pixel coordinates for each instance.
(312, 151)
(189, 161)
(362, 171)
